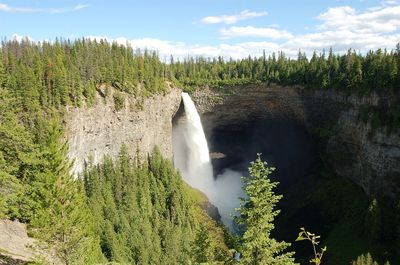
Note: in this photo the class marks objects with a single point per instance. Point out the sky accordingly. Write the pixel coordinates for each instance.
(229, 28)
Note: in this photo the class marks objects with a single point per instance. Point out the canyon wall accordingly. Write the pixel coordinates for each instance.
(352, 150)
(101, 130)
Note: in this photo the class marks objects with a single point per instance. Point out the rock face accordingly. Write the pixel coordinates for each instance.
(16, 247)
(14, 242)
(246, 104)
(101, 130)
(372, 160)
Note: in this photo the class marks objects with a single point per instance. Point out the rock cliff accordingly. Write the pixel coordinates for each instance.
(372, 160)
(16, 247)
(101, 130)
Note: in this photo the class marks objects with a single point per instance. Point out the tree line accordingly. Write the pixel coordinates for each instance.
(64, 72)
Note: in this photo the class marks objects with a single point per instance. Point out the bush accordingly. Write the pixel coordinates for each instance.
(119, 101)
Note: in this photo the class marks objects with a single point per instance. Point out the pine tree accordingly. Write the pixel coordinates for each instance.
(364, 260)
(63, 222)
(373, 221)
(257, 213)
(202, 250)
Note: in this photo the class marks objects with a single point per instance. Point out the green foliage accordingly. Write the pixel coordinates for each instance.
(144, 214)
(366, 260)
(314, 240)
(18, 154)
(375, 71)
(352, 73)
(373, 221)
(67, 72)
(202, 246)
(256, 214)
(61, 219)
(119, 101)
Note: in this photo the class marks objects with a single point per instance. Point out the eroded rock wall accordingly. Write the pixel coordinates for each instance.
(101, 130)
(246, 104)
(372, 160)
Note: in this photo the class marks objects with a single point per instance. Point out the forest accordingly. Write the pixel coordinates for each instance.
(139, 211)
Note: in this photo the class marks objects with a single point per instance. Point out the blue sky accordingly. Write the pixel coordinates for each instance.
(231, 28)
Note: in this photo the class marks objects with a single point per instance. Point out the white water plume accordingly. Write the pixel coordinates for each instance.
(191, 157)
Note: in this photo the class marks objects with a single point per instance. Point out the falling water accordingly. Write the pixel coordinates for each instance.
(192, 158)
(192, 155)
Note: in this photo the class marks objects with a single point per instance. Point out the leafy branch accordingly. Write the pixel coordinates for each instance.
(314, 239)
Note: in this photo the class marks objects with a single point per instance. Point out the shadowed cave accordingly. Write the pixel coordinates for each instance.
(286, 145)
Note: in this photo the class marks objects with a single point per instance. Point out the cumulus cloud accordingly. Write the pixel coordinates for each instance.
(183, 50)
(250, 31)
(13, 9)
(340, 28)
(341, 41)
(232, 19)
(383, 20)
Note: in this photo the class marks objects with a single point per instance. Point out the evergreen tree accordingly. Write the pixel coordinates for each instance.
(257, 213)
(202, 246)
(365, 260)
(373, 221)
(63, 221)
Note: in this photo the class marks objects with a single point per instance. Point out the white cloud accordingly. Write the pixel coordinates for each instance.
(232, 19)
(250, 31)
(390, 2)
(340, 28)
(79, 7)
(12, 9)
(20, 38)
(183, 50)
(341, 41)
(383, 20)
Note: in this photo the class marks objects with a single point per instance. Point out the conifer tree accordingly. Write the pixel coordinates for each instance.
(373, 221)
(202, 250)
(364, 260)
(257, 213)
(63, 221)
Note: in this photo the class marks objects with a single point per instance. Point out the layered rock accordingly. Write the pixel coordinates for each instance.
(352, 150)
(101, 130)
(372, 160)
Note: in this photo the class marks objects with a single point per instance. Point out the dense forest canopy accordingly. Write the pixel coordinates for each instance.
(64, 72)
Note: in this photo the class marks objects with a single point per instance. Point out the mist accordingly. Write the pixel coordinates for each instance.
(192, 159)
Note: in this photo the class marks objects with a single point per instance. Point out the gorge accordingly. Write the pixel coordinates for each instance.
(297, 130)
(369, 159)
(111, 155)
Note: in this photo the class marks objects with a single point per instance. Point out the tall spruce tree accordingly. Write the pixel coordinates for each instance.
(256, 214)
(63, 221)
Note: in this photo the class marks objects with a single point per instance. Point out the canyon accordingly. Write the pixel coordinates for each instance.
(332, 120)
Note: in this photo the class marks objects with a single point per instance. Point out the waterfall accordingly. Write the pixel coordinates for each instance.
(192, 158)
